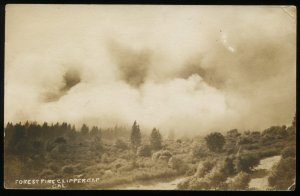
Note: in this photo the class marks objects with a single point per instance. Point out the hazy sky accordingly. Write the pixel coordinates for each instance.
(189, 68)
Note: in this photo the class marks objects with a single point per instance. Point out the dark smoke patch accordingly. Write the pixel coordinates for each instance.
(191, 69)
(207, 74)
(132, 64)
(70, 79)
(52, 96)
(265, 60)
(253, 62)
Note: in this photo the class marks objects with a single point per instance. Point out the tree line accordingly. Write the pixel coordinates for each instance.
(25, 137)
(18, 135)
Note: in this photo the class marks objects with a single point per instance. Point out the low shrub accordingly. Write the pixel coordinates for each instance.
(105, 158)
(119, 163)
(144, 151)
(46, 173)
(199, 151)
(204, 167)
(68, 169)
(246, 162)
(289, 151)
(199, 184)
(162, 155)
(240, 181)
(283, 174)
(253, 146)
(177, 164)
(183, 185)
(190, 171)
(60, 140)
(53, 167)
(113, 181)
(268, 153)
(228, 166)
(121, 144)
(216, 176)
(174, 163)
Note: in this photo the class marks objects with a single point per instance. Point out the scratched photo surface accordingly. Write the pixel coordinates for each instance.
(152, 97)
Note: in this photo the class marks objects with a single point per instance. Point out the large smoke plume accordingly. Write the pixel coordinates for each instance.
(192, 69)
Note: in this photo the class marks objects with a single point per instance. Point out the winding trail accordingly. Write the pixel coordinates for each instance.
(265, 164)
(258, 183)
(170, 185)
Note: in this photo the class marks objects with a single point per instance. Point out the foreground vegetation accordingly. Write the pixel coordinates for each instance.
(120, 156)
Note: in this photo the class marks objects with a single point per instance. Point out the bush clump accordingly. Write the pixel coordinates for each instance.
(68, 169)
(177, 164)
(162, 155)
(199, 184)
(246, 162)
(289, 152)
(203, 168)
(121, 144)
(215, 141)
(183, 184)
(283, 174)
(216, 177)
(53, 167)
(144, 151)
(199, 151)
(228, 167)
(240, 181)
(46, 173)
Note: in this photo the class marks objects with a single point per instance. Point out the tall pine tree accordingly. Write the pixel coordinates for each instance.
(155, 139)
(135, 137)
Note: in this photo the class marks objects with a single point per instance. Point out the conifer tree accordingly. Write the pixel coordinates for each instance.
(155, 139)
(135, 137)
(84, 129)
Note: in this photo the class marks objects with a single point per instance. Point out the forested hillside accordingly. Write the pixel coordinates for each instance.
(120, 157)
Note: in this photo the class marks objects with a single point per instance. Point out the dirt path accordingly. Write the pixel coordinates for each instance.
(170, 185)
(260, 183)
(265, 164)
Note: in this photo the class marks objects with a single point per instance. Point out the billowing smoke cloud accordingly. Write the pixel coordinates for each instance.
(71, 78)
(132, 65)
(192, 69)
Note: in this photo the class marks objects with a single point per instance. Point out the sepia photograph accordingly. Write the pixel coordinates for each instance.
(150, 97)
